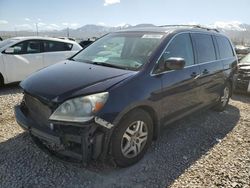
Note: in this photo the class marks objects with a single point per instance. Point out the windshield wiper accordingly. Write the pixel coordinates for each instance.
(109, 65)
(105, 64)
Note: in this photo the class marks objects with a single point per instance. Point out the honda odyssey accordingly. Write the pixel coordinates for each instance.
(113, 98)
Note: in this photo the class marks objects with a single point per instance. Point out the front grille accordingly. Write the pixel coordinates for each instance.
(38, 111)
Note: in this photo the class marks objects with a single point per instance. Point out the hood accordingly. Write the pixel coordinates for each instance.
(70, 78)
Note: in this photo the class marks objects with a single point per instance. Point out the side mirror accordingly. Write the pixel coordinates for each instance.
(175, 63)
(9, 50)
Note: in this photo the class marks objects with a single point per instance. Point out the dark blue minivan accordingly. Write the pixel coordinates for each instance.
(113, 98)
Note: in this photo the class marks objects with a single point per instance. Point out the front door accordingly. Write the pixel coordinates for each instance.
(180, 91)
(25, 60)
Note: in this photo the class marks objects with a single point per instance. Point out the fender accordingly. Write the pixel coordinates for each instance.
(153, 112)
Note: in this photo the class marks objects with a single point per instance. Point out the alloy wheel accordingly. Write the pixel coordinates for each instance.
(134, 139)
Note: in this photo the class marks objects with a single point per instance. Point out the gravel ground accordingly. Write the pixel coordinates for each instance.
(210, 149)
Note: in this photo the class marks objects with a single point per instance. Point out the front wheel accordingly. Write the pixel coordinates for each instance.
(132, 138)
(224, 98)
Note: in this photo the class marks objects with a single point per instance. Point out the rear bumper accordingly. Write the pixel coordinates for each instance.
(67, 142)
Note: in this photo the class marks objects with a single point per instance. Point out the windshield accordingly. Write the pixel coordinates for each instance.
(245, 59)
(122, 50)
(6, 42)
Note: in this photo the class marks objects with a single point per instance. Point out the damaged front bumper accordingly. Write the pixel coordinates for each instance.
(243, 80)
(66, 141)
(242, 84)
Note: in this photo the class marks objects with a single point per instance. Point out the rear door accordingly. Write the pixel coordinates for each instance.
(211, 79)
(55, 51)
(180, 92)
(25, 60)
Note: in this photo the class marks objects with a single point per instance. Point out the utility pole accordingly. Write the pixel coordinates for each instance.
(15, 31)
(67, 32)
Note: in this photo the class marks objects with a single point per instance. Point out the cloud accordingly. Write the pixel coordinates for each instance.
(122, 25)
(101, 24)
(74, 24)
(54, 25)
(27, 19)
(25, 26)
(51, 27)
(40, 24)
(111, 2)
(71, 25)
(229, 25)
(3, 22)
(65, 24)
(192, 23)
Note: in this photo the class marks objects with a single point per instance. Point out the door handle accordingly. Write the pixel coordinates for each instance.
(205, 71)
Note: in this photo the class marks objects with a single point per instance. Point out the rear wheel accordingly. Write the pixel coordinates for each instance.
(224, 98)
(132, 138)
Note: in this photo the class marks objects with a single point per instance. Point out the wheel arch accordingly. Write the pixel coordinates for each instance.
(154, 118)
(148, 109)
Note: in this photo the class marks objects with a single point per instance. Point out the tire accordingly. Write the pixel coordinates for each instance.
(136, 126)
(224, 98)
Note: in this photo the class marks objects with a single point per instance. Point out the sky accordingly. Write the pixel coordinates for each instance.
(59, 14)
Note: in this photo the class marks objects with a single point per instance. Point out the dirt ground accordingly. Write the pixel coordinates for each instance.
(209, 149)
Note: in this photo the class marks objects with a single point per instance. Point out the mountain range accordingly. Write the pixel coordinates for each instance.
(238, 32)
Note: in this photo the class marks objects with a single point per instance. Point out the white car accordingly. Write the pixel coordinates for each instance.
(21, 56)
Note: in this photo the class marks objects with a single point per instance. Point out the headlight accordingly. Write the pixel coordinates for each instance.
(80, 109)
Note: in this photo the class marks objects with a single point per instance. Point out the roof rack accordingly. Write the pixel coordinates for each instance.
(193, 26)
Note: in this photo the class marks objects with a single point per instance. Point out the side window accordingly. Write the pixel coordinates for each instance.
(181, 46)
(20, 48)
(68, 46)
(54, 46)
(225, 48)
(33, 47)
(204, 47)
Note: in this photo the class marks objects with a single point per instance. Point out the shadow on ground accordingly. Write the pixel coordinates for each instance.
(180, 145)
(10, 89)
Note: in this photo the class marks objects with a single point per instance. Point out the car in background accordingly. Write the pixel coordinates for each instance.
(21, 56)
(67, 38)
(243, 78)
(242, 51)
(85, 43)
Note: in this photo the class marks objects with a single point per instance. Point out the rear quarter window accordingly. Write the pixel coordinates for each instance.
(224, 46)
(204, 47)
